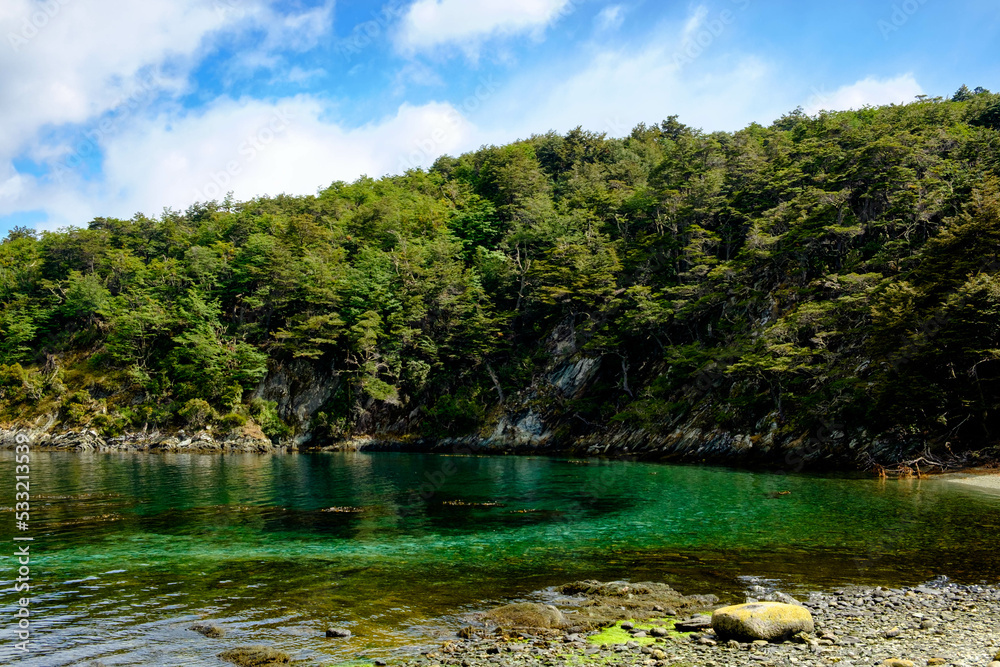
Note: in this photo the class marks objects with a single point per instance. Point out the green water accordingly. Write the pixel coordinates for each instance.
(130, 550)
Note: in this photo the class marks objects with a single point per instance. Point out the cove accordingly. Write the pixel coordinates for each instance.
(131, 549)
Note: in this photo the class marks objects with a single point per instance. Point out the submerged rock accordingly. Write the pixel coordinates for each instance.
(255, 656)
(209, 630)
(338, 633)
(761, 620)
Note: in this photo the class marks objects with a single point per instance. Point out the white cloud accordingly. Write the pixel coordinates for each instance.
(72, 62)
(612, 90)
(77, 74)
(869, 91)
(68, 62)
(611, 17)
(431, 23)
(250, 147)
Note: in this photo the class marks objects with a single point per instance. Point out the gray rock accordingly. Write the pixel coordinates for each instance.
(694, 624)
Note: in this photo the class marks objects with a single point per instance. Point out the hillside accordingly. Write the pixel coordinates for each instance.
(826, 289)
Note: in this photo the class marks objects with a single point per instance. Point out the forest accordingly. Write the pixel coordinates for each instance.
(839, 271)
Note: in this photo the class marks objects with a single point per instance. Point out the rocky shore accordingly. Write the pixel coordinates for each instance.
(248, 439)
(622, 624)
(940, 623)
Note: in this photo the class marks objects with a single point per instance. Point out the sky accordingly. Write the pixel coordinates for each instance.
(116, 107)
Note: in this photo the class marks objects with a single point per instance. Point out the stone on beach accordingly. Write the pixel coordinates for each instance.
(761, 620)
(527, 615)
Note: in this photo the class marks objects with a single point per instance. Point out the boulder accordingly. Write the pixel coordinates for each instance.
(771, 621)
(527, 615)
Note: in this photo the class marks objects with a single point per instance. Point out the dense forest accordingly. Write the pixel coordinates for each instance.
(829, 274)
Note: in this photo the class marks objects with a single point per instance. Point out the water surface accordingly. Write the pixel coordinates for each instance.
(131, 549)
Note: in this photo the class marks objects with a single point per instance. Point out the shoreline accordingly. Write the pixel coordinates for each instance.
(983, 473)
(939, 623)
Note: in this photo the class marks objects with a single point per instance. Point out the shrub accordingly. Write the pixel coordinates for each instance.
(233, 421)
(265, 413)
(197, 413)
(109, 425)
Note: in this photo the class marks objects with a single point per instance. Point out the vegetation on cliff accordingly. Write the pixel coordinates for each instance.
(827, 271)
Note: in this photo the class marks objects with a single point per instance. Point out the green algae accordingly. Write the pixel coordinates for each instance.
(615, 634)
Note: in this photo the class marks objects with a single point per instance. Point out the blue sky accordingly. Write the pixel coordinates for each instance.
(112, 107)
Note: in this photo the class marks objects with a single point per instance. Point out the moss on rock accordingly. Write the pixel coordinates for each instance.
(770, 621)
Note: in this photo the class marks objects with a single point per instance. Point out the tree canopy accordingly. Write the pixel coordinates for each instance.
(842, 267)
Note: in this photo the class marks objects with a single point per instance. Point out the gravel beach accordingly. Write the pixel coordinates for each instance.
(940, 623)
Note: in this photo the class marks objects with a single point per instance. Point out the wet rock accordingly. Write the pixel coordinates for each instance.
(338, 633)
(209, 630)
(761, 620)
(255, 656)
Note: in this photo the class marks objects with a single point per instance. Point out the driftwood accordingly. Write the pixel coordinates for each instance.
(911, 468)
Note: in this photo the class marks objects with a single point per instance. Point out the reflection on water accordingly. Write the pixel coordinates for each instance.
(131, 549)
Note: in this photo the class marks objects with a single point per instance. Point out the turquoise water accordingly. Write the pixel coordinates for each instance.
(130, 550)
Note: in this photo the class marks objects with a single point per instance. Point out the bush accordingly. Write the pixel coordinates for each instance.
(109, 425)
(76, 407)
(265, 413)
(453, 415)
(197, 413)
(233, 421)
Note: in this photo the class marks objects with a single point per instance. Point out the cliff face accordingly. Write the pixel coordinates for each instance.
(535, 420)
